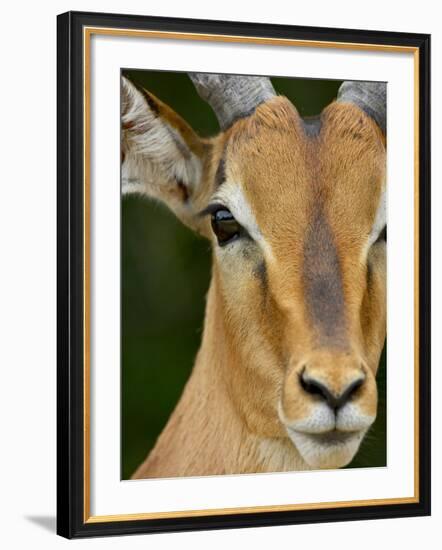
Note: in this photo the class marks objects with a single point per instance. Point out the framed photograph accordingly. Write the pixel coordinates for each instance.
(225, 295)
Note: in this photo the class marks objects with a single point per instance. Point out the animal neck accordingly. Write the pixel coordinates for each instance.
(208, 433)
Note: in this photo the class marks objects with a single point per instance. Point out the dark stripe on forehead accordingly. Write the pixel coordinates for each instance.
(323, 283)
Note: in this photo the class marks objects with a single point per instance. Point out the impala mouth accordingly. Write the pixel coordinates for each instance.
(332, 449)
(334, 437)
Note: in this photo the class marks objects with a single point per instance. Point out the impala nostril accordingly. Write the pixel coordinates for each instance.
(313, 387)
(353, 387)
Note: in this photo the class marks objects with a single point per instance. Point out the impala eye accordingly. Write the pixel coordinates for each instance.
(225, 227)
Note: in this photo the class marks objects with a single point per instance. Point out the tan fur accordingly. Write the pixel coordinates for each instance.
(244, 391)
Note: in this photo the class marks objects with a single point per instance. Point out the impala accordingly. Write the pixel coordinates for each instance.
(295, 316)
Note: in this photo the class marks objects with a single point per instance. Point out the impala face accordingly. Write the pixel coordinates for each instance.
(296, 216)
(298, 233)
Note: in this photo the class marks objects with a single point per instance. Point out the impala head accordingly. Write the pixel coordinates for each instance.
(295, 211)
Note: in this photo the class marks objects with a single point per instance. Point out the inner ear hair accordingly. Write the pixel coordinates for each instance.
(163, 157)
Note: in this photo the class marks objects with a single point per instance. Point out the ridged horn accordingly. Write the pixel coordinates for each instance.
(371, 97)
(232, 96)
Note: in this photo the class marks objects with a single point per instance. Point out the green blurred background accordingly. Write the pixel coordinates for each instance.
(165, 276)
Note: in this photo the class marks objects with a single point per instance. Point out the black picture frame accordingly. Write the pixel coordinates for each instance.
(71, 520)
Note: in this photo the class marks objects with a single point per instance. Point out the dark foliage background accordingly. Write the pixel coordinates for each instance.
(165, 276)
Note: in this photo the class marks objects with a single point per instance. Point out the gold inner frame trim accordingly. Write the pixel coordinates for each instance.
(87, 33)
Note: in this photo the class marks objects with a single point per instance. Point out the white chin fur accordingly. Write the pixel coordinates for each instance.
(322, 454)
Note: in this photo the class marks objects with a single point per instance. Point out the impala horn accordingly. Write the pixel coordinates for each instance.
(371, 97)
(232, 96)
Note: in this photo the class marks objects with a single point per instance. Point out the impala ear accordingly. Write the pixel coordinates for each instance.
(162, 156)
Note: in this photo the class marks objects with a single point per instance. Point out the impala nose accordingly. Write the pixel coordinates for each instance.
(335, 393)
